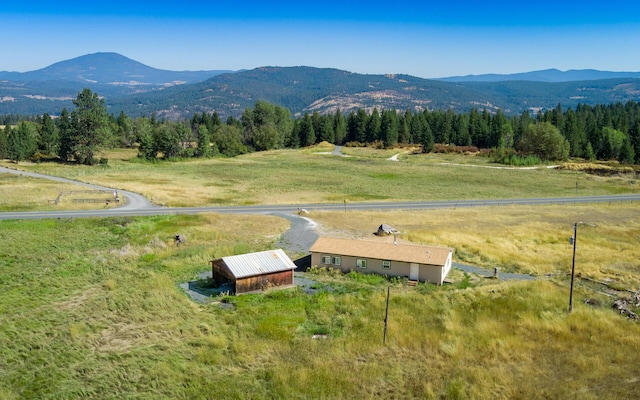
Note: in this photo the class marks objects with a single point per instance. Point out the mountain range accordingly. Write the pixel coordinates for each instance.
(137, 89)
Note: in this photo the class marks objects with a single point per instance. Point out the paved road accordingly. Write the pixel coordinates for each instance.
(138, 209)
(137, 205)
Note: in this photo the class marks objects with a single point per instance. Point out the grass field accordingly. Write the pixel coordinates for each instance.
(308, 176)
(93, 307)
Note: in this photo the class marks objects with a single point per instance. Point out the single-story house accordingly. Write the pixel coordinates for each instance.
(254, 272)
(417, 262)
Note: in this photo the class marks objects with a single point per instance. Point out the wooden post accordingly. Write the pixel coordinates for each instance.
(386, 317)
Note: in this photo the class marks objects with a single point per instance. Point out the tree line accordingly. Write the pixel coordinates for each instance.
(601, 132)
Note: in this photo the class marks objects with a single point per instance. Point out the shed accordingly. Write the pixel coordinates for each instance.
(416, 262)
(254, 272)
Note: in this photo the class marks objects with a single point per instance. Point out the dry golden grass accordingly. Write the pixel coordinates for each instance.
(26, 193)
(528, 239)
(307, 175)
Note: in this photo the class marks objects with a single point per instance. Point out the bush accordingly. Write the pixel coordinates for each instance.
(451, 149)
(510, 157)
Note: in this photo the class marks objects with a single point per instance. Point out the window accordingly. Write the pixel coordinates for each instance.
(361, 263)
(337, 261)
(386, 265)
(326, 260)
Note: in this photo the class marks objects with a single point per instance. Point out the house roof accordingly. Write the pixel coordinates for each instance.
(260, 263)
(410, 253)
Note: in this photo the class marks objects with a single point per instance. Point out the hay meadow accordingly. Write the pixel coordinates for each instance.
(92, 308)
(315, 176)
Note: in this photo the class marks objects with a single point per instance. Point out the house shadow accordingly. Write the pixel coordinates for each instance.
(303, 264)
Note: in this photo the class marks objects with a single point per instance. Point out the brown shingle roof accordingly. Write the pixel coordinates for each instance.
(410, 253)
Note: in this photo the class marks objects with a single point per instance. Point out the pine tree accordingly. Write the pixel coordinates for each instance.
(48, 136)
(204, 149)
(90, 129)
(339, 128)
(373, 127)
(65, 132)
(389, 128)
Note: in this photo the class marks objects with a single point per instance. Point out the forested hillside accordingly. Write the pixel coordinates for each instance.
(305, 89)
(138, 90)
(603, 132)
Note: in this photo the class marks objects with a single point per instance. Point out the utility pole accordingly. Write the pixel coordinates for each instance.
(574, 240)
(573, 264)
(386, 317)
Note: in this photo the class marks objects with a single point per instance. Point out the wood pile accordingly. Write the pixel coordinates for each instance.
(624, 305)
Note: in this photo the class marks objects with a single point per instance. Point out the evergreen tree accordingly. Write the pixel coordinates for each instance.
(47, 136)
(572, 132)
(166, 139)
(389, 128)
(339, 128)
(125, 130)
(627, 153)
(361, 126)
(426, 139)
(65, 132)
(416, 128)
(294, 139)
(307, 133)
(325, 129)
(501, 132)
(90, 130)
(404, 132)
(204, 149)
(373, 127)
(144, 136)
(461, 130)
(21, 142)
(3, 141)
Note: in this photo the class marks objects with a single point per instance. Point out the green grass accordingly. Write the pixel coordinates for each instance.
(92, 308)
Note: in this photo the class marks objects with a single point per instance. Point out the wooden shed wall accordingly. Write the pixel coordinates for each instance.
(263, 282)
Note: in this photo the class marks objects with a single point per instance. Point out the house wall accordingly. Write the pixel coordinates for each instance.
(428, 273)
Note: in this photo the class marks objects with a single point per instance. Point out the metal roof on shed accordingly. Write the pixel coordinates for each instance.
(260, 263)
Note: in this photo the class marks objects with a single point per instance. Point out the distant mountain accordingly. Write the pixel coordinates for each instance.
(307, 89)
(547, 75)
(111, 75)
(138, 90)
(109, 69)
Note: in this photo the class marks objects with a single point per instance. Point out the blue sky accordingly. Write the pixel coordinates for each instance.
(425, 39)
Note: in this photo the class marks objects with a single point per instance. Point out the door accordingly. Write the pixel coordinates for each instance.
(414, 272)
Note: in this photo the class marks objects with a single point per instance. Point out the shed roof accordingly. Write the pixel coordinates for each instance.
(410, 253)
(260, 263)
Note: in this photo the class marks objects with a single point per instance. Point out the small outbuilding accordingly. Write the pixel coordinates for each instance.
(416, 262)
(254, 272)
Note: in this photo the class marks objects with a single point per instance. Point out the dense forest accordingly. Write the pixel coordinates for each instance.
(601, 132)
